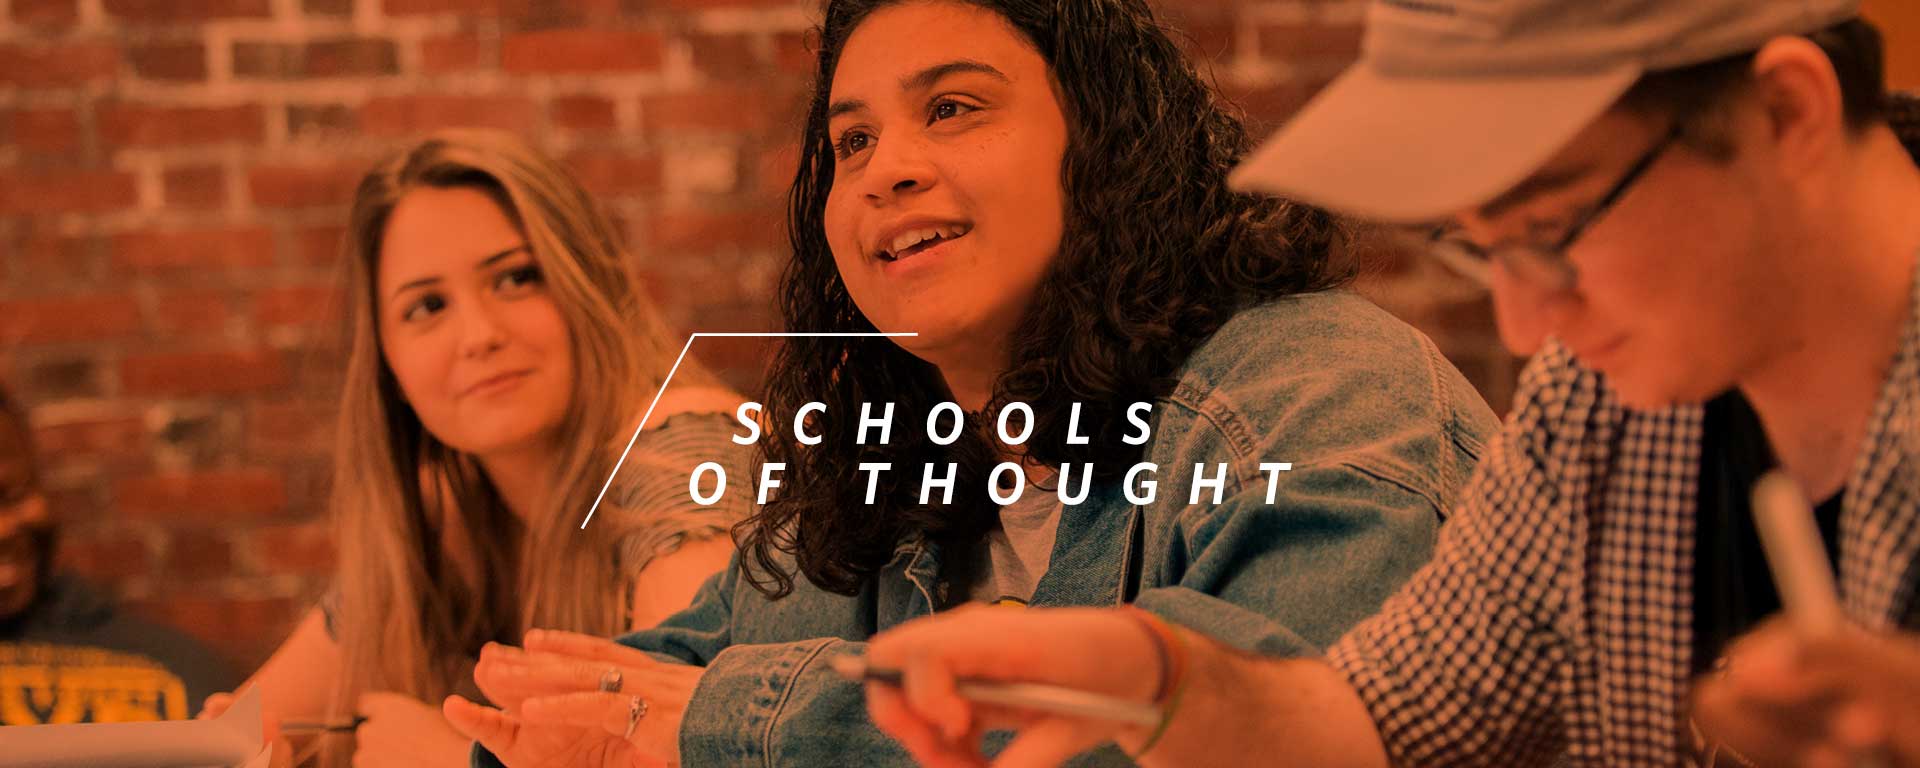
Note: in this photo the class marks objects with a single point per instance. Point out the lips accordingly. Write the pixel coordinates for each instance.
(907, 239)
(494, 383)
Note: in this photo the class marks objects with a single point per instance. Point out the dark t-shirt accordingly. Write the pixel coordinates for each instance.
(71, 657)
(1732, 588)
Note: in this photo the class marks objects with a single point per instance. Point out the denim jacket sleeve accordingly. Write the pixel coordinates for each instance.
(765, 703)
(1380, 431)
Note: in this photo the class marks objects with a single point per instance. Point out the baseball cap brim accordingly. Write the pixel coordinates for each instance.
(1407, 149)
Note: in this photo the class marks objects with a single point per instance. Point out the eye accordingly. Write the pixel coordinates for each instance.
(851, 143)
(424, 308)
(947, 108)
(518, 279)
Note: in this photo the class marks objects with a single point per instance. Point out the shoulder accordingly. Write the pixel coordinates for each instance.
(1315, 377)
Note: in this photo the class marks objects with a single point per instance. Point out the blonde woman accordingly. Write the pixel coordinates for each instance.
(500, 353)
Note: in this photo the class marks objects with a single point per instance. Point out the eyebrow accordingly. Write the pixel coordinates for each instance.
(1549, 180)
(484, 263)
(922, 80)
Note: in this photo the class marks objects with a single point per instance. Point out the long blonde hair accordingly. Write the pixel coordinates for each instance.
(408, 507)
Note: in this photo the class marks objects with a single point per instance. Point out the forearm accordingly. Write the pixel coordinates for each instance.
(1291, 712)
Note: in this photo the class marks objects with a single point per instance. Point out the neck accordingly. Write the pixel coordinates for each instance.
(1852, 279)
(522, 476)
(970, 385)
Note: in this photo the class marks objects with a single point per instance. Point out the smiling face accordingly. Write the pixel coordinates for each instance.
(1674, 280)
(467, 326)
(946, 207)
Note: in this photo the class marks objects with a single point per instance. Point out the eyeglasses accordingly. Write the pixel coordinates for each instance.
(1546, 266)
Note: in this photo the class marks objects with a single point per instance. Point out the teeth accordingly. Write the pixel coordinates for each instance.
(913, 237)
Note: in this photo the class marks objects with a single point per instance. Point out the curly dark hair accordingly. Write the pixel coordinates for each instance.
(1156, 254)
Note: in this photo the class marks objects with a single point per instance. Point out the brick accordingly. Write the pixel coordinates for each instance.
(456, 53)
(169, 61)
(45, 13)
(196, 555)
(326, 7)
(244, 630)
(194, 248)
(319, 246)
(68, 318)
(356, 57)
(303, 305)
(53, 130)
(188, 374)
(203, 495)
(178, 11)
(62, 378)
(413, 115)
(57, 66)
(462, 7)
(66, 191)
(302, 548)
(676, 232)
(724, 56)
(289, 427)
(308, 121)
(583, 114)
(654, 6)
(738, 109)
(139, 125)
(107, 436)
(109, 556)
(796, 53)
(299, 186)
(559, 51)
(195, 187)
(192, 312)
(608, 173)
(352, 58)
(775, 170)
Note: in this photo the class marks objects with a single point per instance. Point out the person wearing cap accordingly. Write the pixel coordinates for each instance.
(1697, 220)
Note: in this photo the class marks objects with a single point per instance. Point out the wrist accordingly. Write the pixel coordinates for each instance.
(1172, 657)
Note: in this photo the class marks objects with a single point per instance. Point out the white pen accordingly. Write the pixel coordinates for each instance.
(1797, 556)
(1052, 699)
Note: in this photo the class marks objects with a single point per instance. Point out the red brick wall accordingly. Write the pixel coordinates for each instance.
(173, 176)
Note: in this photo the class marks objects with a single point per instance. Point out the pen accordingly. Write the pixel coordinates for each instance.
(300, 728)
(1796, 556)
(1041, 698)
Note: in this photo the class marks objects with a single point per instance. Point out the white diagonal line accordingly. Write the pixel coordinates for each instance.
(669, 379)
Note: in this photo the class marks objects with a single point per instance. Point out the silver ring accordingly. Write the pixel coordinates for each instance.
(611, 680)
(636, 709)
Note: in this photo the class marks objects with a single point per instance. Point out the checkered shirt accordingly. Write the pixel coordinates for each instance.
(1554, 625)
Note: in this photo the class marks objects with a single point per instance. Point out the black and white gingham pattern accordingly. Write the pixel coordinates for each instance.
(1554, 622)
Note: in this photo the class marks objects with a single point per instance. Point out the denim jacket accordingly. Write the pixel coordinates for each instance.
(1380, 429)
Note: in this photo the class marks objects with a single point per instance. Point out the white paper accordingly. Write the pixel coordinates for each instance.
(232, 739)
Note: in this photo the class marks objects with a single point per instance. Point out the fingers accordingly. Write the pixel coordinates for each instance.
(1050, 742)
(495, 730)
(595, 710)
(215, 706)
(930, 692)
(532, 674)
(585, 647)
(888, 708)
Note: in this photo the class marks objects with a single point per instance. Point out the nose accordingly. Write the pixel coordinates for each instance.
(479, 330)
(1525, 312)
(896, 168)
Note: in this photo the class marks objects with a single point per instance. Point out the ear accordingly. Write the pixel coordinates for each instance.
(1800, 94)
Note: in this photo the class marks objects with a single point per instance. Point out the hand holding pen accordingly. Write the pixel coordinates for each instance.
(1809, 687)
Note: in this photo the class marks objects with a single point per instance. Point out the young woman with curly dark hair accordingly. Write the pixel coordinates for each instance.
(1037, 190)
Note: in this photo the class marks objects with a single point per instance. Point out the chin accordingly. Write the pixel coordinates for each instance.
(1651, 395)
